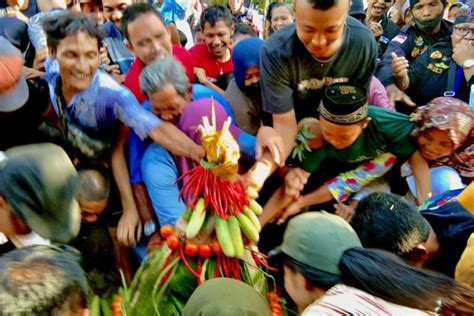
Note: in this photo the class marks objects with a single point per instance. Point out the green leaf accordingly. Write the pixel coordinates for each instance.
(294, 153)
(306, 146)
(308, 135)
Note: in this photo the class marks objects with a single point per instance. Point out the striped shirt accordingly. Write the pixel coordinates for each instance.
(345, 300)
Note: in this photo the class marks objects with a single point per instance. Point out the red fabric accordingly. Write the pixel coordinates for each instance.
(182, 55)
(205, 60)
(132, 79)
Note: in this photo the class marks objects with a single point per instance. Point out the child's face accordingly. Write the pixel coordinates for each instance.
(90, 210)
(341, 136)
(434, 144)
(217, 38)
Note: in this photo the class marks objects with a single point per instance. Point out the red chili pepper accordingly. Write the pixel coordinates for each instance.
(199, 271)
(165, 264)
(225, 266)
(218, 267)
(186, 263)
(206, 192)
(236, 268)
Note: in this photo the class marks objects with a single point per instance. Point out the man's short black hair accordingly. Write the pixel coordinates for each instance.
(133, 12)
(386, 221)
(322, 4)
(215, 13)
(58, 28)
(244, 29)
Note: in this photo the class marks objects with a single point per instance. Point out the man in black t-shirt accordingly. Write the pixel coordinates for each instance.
(324, 46)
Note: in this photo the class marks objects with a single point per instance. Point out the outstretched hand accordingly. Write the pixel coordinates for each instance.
(269, 139)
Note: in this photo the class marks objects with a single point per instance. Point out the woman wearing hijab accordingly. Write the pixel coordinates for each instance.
(243, 92)
(445, 135)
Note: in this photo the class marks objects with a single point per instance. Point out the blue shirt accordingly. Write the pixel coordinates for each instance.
(137, 147)
(101, 104)
(119, 54)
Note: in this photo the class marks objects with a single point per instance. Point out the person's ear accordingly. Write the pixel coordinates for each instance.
(308, 286)
(189, 95)
(3, 202)
(129, 46)
(417, 256)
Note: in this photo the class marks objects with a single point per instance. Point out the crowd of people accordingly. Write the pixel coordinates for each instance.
(354, 121)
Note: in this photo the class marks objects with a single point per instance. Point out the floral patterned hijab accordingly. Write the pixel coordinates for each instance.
(457, 119)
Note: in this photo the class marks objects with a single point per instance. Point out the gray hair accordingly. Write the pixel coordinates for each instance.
(93, 185)
(162, 72)
(42, 280)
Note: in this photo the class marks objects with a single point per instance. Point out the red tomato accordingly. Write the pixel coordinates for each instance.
(205, 251)
(191, 249)
(166, 231)
(173, 242)
(216, 248)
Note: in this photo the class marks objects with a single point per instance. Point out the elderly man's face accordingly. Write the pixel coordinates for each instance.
(168, 103)
(78, 59)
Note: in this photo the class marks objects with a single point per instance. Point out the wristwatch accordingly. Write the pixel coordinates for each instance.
(149, 228)
(468, 63)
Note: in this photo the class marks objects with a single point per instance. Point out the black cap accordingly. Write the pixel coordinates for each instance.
(344, 104)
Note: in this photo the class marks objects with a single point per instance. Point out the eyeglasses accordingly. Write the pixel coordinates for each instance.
(463, 31)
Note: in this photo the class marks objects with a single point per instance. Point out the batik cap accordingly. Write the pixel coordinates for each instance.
(344, 104)
(13, 87)
(318, 240)
(446, 114)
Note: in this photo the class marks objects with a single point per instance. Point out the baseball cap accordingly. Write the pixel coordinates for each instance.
(39, 182)
(318, 240)
(344, 104)
(13, 87)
